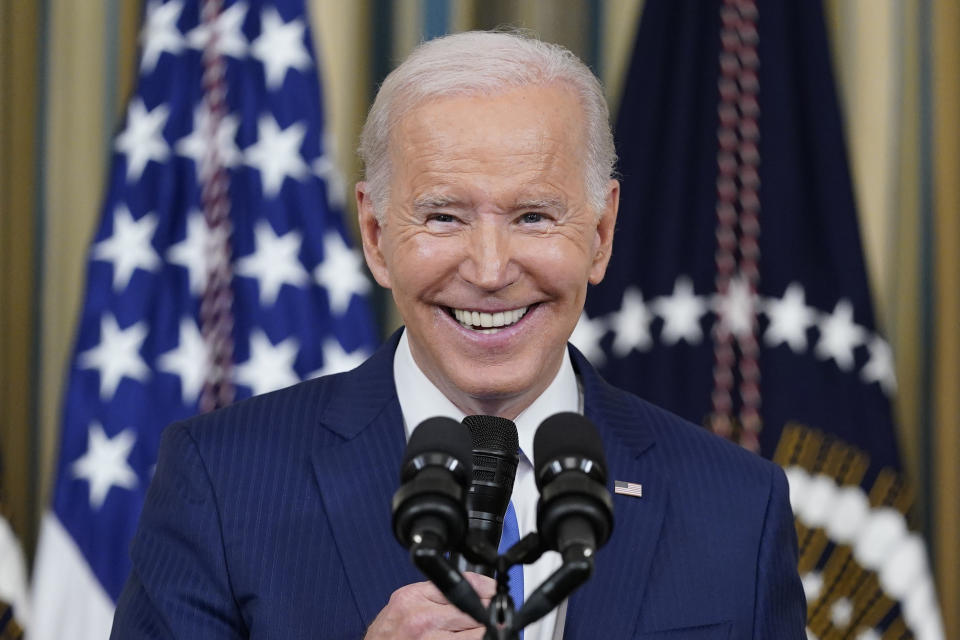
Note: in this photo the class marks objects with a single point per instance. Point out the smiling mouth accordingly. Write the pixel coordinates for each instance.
(482, 322)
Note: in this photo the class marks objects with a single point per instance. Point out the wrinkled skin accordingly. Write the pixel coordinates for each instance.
(487, 211)
(420, 611)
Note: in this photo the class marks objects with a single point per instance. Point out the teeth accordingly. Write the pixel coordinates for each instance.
(488, 322)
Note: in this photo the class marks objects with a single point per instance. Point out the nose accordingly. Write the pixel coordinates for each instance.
(489, 263)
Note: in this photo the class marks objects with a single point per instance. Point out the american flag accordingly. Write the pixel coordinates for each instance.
(737, 293)
(221, 268)
(624, 488)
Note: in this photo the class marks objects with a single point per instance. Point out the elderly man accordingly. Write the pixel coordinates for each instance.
(488, 207)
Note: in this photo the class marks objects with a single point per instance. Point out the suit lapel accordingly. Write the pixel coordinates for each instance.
(358, 477)
(612, 596)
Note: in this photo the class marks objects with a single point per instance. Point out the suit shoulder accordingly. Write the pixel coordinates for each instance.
(276, 415)
(681, 444)
(689, 446)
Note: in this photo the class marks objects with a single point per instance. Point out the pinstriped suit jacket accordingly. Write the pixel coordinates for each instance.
(271, 519)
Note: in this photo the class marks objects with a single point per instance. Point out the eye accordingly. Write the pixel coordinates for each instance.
(532, 217)
(441, 217)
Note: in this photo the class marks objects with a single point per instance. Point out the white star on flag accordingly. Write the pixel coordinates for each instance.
(105, 465)
(839, 336)
(189, 361)
(191, 252)
(737, 309)
(117, 355)
(340, 272)
(274, 262)
(142, 139)
(586, 337)
(279, 47)
(160, 32)
(631, 324)
(879, 367)
(129, 247)
(681, 313)
(276, 153)
(196, 144)
(269, 366)
(336, 359)
(228, 27)
(790, 318)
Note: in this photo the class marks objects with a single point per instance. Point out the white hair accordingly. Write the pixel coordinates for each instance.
(485, 63)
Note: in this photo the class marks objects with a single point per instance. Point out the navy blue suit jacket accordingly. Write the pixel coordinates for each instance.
(271, 519)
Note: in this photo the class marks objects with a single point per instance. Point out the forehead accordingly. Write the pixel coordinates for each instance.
(527, 135)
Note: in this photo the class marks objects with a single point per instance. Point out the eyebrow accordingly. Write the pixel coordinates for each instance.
(540, 203)
(431, 202)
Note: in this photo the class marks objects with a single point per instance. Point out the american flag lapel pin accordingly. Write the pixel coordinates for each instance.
(634, 489)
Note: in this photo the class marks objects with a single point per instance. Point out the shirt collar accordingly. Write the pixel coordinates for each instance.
(421, 399)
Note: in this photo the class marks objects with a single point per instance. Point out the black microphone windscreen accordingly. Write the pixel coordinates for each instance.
(495, 458)
(440, 435)
(567, 434)
(493, 433)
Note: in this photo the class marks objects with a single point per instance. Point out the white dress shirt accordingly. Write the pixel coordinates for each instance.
(421, 399)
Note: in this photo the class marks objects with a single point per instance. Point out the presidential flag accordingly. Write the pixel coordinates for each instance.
(737, 294)
(221, 268)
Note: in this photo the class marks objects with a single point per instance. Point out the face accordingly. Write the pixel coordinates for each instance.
(488, 242)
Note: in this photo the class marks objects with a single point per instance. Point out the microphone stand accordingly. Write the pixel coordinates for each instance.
(502, 624)
(501, 618)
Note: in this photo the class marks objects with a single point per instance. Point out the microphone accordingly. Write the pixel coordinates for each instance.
(495, 458)
(575, 508)
(434, 475)
(575, 511)
(429, 514)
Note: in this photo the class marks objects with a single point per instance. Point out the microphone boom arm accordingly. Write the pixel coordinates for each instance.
(428, 556)
(576, 569)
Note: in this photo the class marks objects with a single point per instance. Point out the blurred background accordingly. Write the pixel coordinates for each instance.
(68, 67)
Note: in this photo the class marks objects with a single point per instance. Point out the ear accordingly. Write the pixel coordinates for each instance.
(371, 233)
(603, 240)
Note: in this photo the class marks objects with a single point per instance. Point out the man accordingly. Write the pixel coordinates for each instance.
(487, 209)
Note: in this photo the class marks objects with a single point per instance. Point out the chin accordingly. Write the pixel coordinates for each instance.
(487, 385)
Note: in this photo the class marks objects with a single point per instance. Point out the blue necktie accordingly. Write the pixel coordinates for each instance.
(510, 536)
